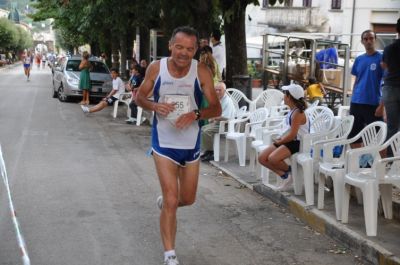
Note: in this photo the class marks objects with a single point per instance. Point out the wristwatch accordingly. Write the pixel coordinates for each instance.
(197, 112)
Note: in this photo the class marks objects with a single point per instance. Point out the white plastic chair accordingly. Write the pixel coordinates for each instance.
(321, 120)
(374, 181)
(343, 111)
(335, 167)
(223, 130)
(309, 160)
(125, 98)
(237, 96)
(273, 122)
(256, 120)
(270, 98)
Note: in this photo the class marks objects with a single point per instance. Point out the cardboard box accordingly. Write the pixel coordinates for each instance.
(331, 77)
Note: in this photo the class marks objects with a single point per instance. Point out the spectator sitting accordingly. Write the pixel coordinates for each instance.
(208, 131)
(315, 91)
(118, 88)
(133, 84)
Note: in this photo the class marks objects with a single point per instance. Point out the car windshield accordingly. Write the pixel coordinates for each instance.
(97, 67)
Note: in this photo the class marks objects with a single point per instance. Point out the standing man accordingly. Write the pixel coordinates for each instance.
(366, 105)
(177, 84)
(391, 87)
(218, 51)
(208, 131)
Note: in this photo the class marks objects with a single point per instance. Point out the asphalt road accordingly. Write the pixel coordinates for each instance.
(84, 193)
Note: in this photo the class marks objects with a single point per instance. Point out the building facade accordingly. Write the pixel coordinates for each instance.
(344, 19)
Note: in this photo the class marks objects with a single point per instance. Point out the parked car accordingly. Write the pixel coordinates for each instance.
(66, 78)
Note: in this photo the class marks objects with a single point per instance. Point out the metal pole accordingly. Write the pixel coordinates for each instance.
(347, 79)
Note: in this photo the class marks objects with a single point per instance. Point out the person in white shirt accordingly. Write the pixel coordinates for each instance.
(118, 88)
(208, 131)
(218, 51)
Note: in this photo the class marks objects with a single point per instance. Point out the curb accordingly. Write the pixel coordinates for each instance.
(366, 249)
(10, 66)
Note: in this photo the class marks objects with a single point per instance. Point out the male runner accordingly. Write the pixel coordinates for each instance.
(178, 84)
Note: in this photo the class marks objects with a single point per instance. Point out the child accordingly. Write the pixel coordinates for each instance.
(296, 123)
(315, 91)
(133, 85)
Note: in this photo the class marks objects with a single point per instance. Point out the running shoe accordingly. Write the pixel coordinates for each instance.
(172, 260)
(159, 202)
(287, 184)
(130, 120)
(85, 109)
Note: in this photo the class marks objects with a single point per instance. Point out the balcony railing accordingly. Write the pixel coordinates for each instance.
(291, 16)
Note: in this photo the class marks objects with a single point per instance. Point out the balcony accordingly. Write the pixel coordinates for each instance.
(293, 17)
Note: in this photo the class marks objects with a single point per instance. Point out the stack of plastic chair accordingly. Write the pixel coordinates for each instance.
(334, 162)
(238, 97)
(374, 181)
(321, 120)
(223, 130)
(255, 120)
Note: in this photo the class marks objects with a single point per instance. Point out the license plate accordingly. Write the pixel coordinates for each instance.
(96, 89)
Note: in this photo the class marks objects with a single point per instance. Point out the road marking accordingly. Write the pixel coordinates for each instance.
(20, 238)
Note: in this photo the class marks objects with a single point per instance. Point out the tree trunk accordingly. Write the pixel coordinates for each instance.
(235, 46)
(115, 51)
(123, 47)
(129, 46)
(95, 48)
(144, 44)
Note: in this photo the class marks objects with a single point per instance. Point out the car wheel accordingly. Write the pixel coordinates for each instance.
(55, 93)
(61, 94)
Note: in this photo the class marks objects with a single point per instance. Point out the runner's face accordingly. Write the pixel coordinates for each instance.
(183, 48)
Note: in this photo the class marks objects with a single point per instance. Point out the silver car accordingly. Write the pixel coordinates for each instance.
(66, 78)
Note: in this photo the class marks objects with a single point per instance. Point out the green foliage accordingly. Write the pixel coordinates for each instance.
(13, 37)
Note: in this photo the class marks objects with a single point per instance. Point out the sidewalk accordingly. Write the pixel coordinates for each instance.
(382, 249)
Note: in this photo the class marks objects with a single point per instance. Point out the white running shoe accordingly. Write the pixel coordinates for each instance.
(172, 260)
(130, 120)
(85, 109)
(287, 184)
(159, 202)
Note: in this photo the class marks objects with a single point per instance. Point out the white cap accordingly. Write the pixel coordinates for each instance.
(295, 91)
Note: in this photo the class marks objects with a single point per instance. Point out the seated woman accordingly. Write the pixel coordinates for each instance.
(296, 123)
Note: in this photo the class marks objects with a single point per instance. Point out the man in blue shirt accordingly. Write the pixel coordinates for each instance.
(366, 105)
(391, 87)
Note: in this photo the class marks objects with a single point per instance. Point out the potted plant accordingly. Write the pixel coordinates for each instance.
(255, 71)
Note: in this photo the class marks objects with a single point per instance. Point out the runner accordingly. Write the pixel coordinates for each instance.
(27, 64)
(177, 84)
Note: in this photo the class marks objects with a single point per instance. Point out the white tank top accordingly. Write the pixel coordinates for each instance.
(185, 90)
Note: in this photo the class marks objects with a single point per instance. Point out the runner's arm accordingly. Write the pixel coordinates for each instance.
(146, 90)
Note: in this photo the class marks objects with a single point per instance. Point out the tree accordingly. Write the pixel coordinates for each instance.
(233, 12)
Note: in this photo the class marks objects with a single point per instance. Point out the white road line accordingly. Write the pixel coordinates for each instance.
(20, 238)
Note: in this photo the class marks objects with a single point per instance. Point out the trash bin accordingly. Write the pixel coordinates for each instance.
(243, 83)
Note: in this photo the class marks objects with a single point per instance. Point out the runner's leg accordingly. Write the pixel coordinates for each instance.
(188, 181)
(168, 175)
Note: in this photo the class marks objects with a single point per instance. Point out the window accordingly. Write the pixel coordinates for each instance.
(307, 3)
(336, 4)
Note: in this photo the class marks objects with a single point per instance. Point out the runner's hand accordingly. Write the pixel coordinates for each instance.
(185, 120)
(164, 109)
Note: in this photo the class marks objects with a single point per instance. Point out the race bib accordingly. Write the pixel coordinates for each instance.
(182, 105)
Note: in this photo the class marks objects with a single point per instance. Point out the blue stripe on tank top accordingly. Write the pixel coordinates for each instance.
(156, 95)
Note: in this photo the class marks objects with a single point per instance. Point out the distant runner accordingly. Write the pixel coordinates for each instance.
(27, 61)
